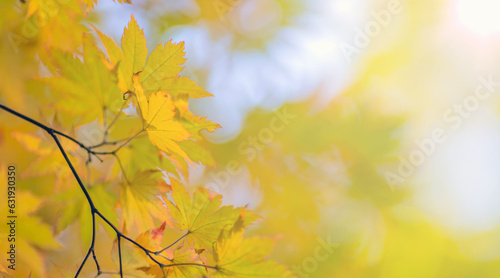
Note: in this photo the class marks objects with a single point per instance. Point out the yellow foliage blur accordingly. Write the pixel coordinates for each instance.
(365, 133)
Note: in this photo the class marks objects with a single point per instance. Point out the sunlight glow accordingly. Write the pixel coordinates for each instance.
(479, 16)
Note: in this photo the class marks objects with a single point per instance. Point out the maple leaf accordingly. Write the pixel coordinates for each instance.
(139, 200)
(134, 259)
(194, 124)
(165, 61)
(86, 84)
(197, 153)
(130, 58)
(115, 54)
(85, 88)
(158, 113)
(160, 70)
(236, 256)
(135, 53)
(180, 255)
(157, 234)
(176, 86)
(202, 217)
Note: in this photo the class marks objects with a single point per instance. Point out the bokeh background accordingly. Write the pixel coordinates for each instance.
(392, 145)
(366, 83)
(366, 133)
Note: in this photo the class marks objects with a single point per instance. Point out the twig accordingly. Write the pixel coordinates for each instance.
(93, 210)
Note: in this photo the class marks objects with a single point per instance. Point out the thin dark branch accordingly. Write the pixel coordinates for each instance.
(76, 142)
(120, 255)
(87, 163)
(127, 140)
(107, 143)
(93, 210)
(86, 193)
(96, 262)
(75, 174)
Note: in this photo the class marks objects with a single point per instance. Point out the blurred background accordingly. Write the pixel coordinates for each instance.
(365, 132)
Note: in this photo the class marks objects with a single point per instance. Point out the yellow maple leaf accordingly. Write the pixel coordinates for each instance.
(202, 217)
(115, 54)
(85, 88)
(160, 70)
(165, 61)
(240, 257)
(181, 85)
(140, 202)
(135, 53)
(178, 266)
(158, 113)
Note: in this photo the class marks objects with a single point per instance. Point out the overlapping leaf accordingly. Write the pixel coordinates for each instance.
(84, 89)
(158, 112)
(182, 264)
(240, 257)
(139, 201)
(202, 216)
(159, 71)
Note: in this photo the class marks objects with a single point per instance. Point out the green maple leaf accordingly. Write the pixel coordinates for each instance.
(202, 217)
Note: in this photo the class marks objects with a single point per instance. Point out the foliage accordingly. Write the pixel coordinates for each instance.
(119, 122)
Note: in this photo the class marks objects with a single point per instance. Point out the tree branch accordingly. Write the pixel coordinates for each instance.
(93, 210)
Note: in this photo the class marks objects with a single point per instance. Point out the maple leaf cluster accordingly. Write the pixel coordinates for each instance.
(137, 106)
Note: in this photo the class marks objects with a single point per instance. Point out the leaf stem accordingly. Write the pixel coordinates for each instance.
(175, 242)
(93, 210)
(192, 264)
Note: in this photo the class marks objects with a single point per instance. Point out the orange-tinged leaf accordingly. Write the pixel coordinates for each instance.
(158, 233)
